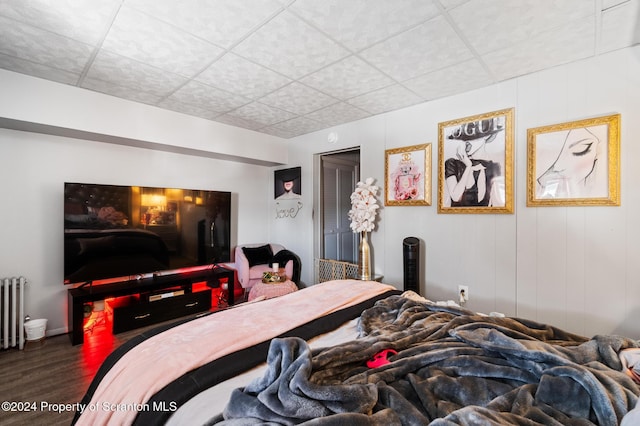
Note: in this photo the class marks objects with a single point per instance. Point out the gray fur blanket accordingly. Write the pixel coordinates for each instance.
(452, 368)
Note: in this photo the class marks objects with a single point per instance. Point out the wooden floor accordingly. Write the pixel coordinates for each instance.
(47, 374)
(50, 373)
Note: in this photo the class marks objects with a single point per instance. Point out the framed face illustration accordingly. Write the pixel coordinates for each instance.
(574, 163)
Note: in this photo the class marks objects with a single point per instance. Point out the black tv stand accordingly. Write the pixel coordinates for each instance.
(85, 284)
(81, 295)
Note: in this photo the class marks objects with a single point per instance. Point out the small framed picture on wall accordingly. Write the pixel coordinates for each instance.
(407, 176)
(287, 184)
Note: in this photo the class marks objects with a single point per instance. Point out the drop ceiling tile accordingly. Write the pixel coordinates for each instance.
(261, 113)
(113, 89)
(239, 122)
(426, 48)
(84, 21)
(126, 72)
(289, 46)
(386, 99)
(237, 75)
(448, 81)
(347, 78)
(620, 26)
(138, 36)
(573, 41)
(22, 66)
(360, 23)
(188, 109)
(42, 47)
(298, 98)
(606, 4)
(298, 126)
(495, 24)
(450, 4)
(279, 133)
(207, 97)
(337, 114)
(223, 22)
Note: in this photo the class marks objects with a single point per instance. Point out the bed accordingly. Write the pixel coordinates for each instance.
(360, 352)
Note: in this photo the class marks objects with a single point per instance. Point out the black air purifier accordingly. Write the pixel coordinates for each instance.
(411, 258)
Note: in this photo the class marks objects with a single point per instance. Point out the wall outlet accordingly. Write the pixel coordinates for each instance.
(463, 293)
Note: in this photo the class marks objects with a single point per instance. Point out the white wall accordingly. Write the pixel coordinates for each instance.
(574, 267)
(34, 168)
(577, 268)
(33, 104)
(71, 127)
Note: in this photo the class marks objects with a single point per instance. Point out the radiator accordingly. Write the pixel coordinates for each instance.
(12, 312)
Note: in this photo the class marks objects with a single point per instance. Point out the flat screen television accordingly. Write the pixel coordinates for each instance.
(115, 231)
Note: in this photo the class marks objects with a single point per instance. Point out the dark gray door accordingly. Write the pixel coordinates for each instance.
(340, 172)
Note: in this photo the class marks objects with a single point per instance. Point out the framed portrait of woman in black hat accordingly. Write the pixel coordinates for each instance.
(475, 164)
(287, 185)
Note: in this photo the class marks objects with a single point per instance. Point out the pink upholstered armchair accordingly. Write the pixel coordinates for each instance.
(251, 263)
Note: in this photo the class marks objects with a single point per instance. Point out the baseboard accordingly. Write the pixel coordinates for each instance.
(56, 332)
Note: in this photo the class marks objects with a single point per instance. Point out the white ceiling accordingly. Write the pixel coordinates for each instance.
(287, 67)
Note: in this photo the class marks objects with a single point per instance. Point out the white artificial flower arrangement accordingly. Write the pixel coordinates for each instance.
(364, 206)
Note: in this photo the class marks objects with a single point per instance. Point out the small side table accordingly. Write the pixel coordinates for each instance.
(270, 290)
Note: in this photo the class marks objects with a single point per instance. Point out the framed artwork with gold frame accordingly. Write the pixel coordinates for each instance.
(407, 176)
(475, 163)
(574, 163)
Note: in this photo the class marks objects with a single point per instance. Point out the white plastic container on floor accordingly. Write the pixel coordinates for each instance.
(35, 329)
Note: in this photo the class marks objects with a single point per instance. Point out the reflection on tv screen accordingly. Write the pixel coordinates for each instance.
(125, 231)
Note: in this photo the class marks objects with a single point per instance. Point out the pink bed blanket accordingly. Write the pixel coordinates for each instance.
(148, 367)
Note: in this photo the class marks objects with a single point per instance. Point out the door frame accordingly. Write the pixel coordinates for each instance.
(317, 212)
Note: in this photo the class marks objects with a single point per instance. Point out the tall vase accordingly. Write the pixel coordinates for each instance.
(364, 258)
